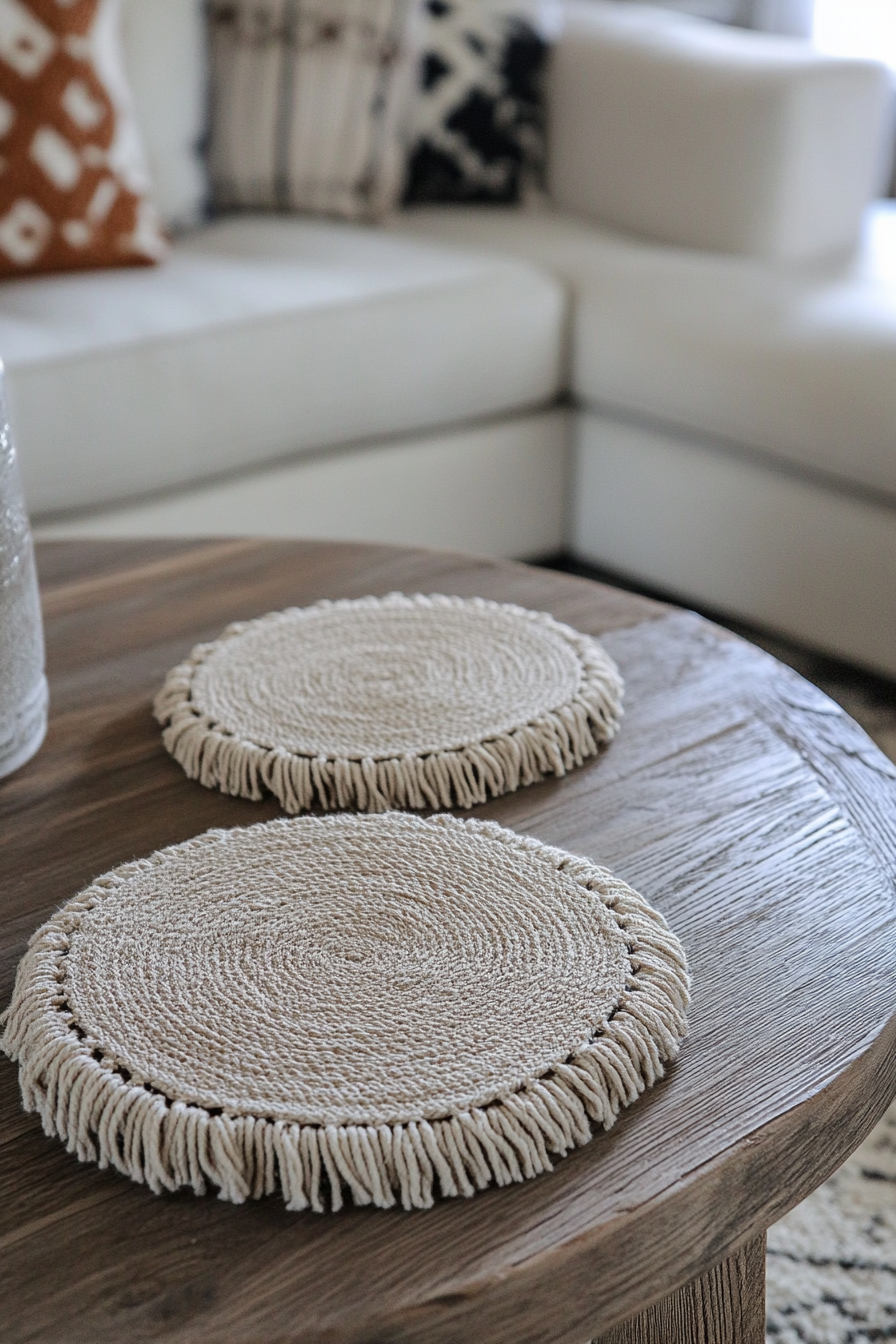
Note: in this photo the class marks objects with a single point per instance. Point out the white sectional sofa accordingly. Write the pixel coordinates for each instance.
(682, 366)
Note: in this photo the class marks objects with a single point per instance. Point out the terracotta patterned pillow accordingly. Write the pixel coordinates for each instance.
(73, 183)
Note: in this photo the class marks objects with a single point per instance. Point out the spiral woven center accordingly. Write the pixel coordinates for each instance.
(346, 970)
(379, 681)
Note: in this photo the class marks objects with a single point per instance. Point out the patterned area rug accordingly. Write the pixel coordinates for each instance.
(831, 1276)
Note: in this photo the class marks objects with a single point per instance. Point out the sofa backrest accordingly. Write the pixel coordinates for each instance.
(702, 136)
(164, 43)
(660, 124)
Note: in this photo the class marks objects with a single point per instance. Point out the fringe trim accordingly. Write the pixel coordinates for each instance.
(106, 1115)
(553, 744)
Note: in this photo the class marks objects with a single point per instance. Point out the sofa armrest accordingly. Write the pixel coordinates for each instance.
(708, 137)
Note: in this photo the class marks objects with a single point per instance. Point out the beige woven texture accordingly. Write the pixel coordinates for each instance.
(382, 1009)
(376, 703)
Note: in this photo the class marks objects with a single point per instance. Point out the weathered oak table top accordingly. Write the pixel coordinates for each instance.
(737, 798)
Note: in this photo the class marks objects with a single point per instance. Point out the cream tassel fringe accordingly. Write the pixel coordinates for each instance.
(552, 744)
(107, 1116)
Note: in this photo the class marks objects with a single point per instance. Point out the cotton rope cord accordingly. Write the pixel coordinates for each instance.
(377, 1009)
(389, 702)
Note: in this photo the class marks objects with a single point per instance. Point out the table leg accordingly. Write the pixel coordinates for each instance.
(726, 1305)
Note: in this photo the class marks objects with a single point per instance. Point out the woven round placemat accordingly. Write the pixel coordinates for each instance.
(389, 702)
(381, 1008)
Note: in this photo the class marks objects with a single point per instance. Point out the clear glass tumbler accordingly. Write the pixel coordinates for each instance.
(23, 686)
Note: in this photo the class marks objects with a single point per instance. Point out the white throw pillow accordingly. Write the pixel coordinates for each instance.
(307, 102)
(165, 56)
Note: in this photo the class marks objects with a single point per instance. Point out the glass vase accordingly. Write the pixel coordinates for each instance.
(23, 686)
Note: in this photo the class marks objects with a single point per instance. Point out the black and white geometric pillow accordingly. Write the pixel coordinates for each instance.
(478, 124)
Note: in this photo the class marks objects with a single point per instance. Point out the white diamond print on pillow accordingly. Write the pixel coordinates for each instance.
(307, 103)
(478, 121)
(80, 105)
(25, 44)
(25, 232)
(58, 159)
(73, 184)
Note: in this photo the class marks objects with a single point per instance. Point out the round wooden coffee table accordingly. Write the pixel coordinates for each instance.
(737, 798)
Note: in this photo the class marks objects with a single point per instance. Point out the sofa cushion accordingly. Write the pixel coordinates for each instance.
(259, 338)
(164, 50)
(797, 362)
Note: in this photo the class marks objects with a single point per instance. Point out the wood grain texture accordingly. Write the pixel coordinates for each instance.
(726, 1305)
(737, 798)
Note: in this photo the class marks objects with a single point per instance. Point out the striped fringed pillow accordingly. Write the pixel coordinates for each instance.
(308, 98)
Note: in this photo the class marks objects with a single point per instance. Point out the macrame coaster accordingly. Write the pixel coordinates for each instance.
(381, 1008)
(384, 702)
